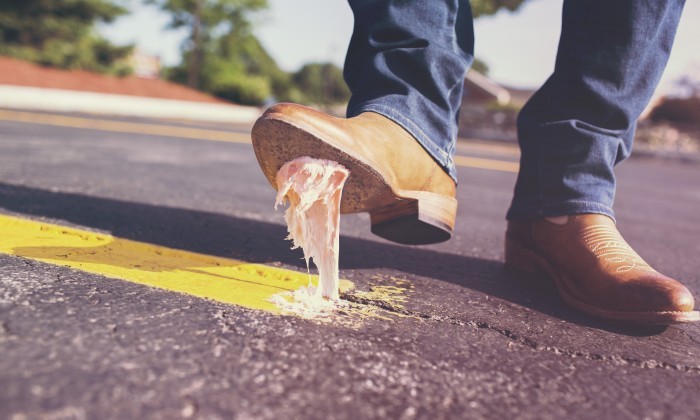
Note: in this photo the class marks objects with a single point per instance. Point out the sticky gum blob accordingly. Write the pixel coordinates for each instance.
(313, 188)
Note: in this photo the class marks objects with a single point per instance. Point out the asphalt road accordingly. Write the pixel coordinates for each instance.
(466, 339)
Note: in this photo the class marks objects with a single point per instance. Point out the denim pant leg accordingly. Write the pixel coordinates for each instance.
(407, 61)
(581, 123)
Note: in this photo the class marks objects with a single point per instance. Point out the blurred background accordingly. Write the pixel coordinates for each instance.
(252, 53)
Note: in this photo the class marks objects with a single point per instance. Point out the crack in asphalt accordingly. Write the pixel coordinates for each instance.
(527, 342)
(381, 305)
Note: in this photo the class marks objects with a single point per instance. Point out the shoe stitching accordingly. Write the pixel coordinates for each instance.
(607, 244)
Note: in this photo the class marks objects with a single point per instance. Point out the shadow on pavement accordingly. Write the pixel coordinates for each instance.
(262, 242)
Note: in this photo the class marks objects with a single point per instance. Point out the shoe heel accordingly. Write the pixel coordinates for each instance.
(416, 218)
(520, 257)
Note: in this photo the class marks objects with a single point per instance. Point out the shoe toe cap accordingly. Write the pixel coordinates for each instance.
(656, 294)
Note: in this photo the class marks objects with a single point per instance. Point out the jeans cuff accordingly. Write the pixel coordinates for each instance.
(560, 209)
(441, 156)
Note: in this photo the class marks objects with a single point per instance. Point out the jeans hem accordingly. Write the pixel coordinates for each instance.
(560, 209)
(441, 157)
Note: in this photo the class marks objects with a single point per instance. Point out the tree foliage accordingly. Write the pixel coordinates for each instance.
(322, 83)
(61, 33)
(491, 7)
(480, 66)
(222, 55)
(235, 66)
(205, 19)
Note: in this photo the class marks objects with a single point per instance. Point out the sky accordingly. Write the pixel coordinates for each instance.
(519, 47)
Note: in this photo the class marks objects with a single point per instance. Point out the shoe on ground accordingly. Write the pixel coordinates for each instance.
(597, 272)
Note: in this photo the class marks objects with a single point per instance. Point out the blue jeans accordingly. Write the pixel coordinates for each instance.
(407, 61)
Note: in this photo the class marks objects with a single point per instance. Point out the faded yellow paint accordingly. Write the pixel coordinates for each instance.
(221, 279)
(125, 127)
(492, 164)
(484, 146)
(388, 290)
(220, 135)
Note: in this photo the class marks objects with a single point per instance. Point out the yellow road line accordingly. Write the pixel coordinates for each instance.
(221, 279)
(483, 147)
(125, 127)
(492, 164)
(196, 134)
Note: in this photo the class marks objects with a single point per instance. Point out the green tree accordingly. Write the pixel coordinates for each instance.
(321, 83)
(223, 57)
(245, 55)
(491, 7)
(235, 66)
(61, 33)
(204, 19)
(227, 74)
(480, 66)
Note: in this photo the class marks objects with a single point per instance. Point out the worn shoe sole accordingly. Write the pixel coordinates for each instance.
(406, 217)
(522, 258)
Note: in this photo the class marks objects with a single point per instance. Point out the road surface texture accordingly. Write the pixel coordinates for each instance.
(462, 337)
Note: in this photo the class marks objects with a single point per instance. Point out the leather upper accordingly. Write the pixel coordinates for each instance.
(598, 267)
(378, 141)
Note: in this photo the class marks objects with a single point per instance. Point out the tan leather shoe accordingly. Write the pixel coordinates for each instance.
(597, 272)
(409, 197)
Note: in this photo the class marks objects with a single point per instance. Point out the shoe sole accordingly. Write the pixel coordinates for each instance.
(520, 257)
(406, 217)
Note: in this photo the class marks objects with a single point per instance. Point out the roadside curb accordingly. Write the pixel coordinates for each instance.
(58, 100)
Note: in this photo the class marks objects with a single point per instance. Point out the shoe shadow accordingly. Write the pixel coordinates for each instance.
(262, 242)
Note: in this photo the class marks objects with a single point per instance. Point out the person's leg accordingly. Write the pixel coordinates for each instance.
(572, 133)
(582, 121)
(407, 61)
(405, 67)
